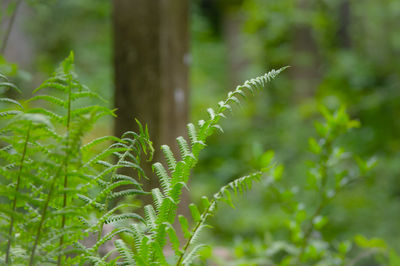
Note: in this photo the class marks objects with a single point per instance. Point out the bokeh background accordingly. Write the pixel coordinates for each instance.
(341, 52)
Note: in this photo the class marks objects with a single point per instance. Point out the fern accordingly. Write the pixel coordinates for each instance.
(238, 185)
(13, 213)
(50, 174)
(67, 159)
(158, 219)
(59, 191)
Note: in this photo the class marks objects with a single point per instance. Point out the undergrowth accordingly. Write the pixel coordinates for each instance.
(56, 191)
(306, 209)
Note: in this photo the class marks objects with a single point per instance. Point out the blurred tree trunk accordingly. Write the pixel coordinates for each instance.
(344, 23)
(305, 64)
(151, 70)
(231, 29)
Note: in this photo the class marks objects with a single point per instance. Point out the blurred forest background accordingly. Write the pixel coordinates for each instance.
(340, 52)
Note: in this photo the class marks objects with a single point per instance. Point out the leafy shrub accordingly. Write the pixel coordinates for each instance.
(307, 208)
(56, 191)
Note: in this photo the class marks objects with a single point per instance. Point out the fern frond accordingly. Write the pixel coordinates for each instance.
(50, 99)
(14, 102)
(192, 133)
(184, 226)
(106, 218)
(121, 217)
(90, 201)
(195, 212)
(9, 113)
(107, 237)
(150, 216)
(127, 192)
(99, 140)
(92, 109)
(157, 198)
(192, 255)
(50, 84)
(126, 253)
(183, 147)
(86, 94)
(10, 85)
(240, 184)
(132, 181)
(169, 157)
(162, 174)
(174, 239)
(50, 114)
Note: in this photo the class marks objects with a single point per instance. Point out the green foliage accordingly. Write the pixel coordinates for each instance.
(57, 191)
(307, 209)
(308, 36)
(159, 217)
(54, 183)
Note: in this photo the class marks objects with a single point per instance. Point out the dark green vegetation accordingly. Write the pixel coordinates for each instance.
(325, 207)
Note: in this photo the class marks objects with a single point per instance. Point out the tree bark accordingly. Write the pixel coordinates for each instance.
(151, 70)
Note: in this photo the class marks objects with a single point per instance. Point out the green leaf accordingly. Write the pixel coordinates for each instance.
(314, 146)
(363, 242)
(266, 158)
(162, 174)
(10, 85)
(169, 157)
(174, 240)
(394, 258)
(205, 202)
(195, 212)
(227, 198)
(124, 216)
(321, 129)
(184, 226)
(278, 172)
(192, 255)
(8, 100)
(344, 247)
(320, 221)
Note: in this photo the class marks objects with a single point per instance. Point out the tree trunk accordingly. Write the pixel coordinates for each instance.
(305, 66)
(151, 70)
(344, 24)
(237, 62)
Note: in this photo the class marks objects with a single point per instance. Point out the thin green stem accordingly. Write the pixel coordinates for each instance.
(43, 216)
(204, 216)
(14, 206)
(65, 199)
(309, 230)
(322, 203)
(217, 196)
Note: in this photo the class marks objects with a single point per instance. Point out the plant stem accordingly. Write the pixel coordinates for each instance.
(309, 230)
(63, 219)
(9, 27)
(10, 232)
(323, 200)
(204, 216)
(43, 216)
